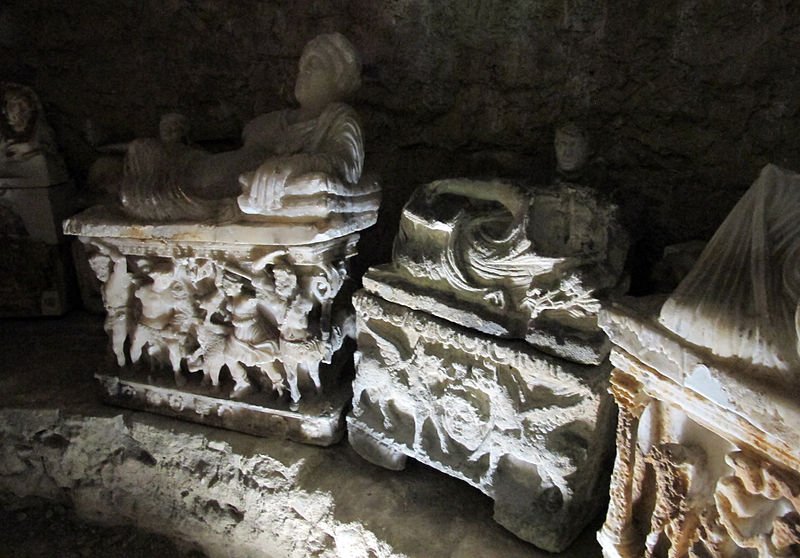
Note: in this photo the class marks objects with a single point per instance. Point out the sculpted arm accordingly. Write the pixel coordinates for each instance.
(335, 158)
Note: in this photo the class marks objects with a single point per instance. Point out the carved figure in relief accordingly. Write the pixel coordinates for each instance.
(214, 331)
(575, 162)
(513, 251)
(155, 169)
(678, 473)
(27, 144)
(166, 319)
(251, 344)
(268, 320)
(111, 269)
(313, 154)
(318, 143)
(758, 505)
(23, 135)
(572, 151)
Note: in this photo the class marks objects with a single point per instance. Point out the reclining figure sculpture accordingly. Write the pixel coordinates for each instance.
(233, 261)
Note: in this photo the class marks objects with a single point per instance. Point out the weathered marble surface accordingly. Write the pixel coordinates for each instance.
(230, 264)
(452, 367)
(225, 493)
(509, 261)
(192, 300)
(707, 459)
(742, 298)
(302, 165)
(531, 431)
(708, 441)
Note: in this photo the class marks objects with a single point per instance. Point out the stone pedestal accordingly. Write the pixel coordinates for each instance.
(708, 460)
(36, 274)
(240, 324)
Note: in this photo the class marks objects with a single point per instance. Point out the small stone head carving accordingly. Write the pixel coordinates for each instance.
(20, 109)
(162, 279)
(231, 286)
(329, 70)
(285, 281)
(173, 128)
(101, 265)
(572, 148)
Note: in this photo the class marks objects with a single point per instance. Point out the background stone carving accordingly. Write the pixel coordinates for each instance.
(685, 99)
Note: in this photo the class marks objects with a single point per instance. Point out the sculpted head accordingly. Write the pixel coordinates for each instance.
(162, 279)
(173, 128)
(572, 147)
(19, 109)
(329, 70)
(101, 265)
(285, 281)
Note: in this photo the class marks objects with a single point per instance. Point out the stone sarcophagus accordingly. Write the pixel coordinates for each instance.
(479, 351)
(226, 273)
(708, 439)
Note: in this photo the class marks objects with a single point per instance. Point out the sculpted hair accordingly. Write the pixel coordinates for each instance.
(339, 54)
(572, 130)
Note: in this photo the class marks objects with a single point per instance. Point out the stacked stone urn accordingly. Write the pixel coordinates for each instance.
(479, 352)
(35, 195)
(708, 441)
(226, 272)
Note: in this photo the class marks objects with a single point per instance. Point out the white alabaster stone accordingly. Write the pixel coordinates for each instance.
(109, 222)
(707, 461)
(531, 431)
(742, 298)
(770, 408)
(298, 165)
(256, 302)
(708, 440)
(509, 261)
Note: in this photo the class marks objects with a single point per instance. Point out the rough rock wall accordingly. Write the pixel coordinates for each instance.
(686, 99)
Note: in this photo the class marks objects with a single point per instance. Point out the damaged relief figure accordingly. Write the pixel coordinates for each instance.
(230, 264)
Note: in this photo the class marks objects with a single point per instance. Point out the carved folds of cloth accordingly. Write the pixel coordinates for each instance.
(510, 261)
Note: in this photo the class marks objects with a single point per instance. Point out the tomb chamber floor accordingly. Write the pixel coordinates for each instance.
(125, 481)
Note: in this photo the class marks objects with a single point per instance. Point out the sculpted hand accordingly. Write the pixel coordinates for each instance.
(263, 189)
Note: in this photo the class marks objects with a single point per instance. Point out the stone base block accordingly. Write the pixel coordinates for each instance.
(532, 431)
(370, 445)
(317, 420)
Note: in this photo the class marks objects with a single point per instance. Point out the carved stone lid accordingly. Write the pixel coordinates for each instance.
(109, 222)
